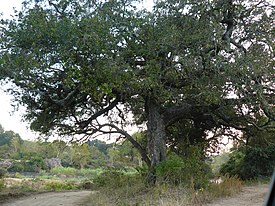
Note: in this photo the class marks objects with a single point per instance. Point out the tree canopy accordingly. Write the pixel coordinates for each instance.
(94, 67)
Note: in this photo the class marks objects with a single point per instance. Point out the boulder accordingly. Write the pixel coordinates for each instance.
(53, 162)
(5, 164)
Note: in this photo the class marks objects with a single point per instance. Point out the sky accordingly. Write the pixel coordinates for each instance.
(9, 119)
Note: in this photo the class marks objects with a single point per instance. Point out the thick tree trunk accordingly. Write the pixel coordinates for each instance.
(156, 134)
(156, 137)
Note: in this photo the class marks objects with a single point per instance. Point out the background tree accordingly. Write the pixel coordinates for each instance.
(74, 62)
(10, 144)
(254, 157)
(100, 145)
(80, 155)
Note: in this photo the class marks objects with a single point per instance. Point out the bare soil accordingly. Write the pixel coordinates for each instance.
(250, 196)
(69, 198)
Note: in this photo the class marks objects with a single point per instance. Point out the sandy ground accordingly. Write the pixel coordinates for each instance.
(250, 196)
(51, 199)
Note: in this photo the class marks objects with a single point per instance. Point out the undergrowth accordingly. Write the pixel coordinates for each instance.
(115, 188)
(59, 186)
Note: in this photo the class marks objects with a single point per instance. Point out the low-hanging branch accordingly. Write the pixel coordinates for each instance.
(84, 124)
(141, 150)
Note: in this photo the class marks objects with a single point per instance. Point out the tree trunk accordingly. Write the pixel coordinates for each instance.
(156, 137)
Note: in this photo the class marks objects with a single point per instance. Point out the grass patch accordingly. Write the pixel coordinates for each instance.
(227, 187)
(131, 190)
(258, 181)
(65, 172)
(59, 186)
(22, 185)
(138, 194)
(2, 185)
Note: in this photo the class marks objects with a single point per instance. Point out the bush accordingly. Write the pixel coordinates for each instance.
(67, 171)
(171, 170)
(233, 165)
(33, 164)
(251, 163)
(2, 185)
(72, 172)
(227, 187)
(109, 177)
(191, 171)
(2, 173)
(17, 167)
(57, 186)
(115, 179)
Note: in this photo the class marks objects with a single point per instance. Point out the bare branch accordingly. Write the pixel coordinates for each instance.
(84, 124)
(141, 150)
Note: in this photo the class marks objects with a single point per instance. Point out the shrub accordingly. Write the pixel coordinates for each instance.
(109, 177)
(33, 164)
(57, 186)
(233, 165)
(2, 173)
(2, 185)
(115, 179)
(191, 171)
(251, 163)
(171, 170)
(228, 186)
(67, 171)
(17, 167)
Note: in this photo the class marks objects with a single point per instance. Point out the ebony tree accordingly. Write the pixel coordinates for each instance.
(94, 67)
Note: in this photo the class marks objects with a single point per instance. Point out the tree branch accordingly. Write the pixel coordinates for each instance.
(141, 150)
(186, 111)
(84, 124)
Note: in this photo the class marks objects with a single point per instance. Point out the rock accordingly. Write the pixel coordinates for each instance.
(53, 162)
(5, 164)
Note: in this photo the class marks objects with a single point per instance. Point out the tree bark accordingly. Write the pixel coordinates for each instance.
(156, 138)
(156, 133)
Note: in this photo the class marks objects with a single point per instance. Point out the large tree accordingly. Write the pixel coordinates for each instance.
(90, 67)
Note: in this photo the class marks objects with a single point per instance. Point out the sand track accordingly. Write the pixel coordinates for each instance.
(51, 199)
(250, 196)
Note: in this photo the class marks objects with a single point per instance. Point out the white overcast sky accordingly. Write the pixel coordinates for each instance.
(8, 119)
(12, 120)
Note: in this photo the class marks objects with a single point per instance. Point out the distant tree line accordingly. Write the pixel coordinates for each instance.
(29, 156)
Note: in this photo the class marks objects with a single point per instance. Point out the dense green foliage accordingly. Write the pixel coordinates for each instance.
(29, 156)
(254, 159)
(194, 65)
(251, 163)
(56, 186)
(192, 171)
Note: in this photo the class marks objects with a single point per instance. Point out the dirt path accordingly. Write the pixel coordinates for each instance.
(250, 196)
(51, 199)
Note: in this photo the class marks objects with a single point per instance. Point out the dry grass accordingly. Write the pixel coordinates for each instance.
(160, 195)
(137, 193)
(227, 187)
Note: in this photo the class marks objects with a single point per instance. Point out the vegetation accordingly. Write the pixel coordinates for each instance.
(190, 66)
(251, 163)
(190, 73)
(131, 190)
(253, 160)
(57, 186)
(179, 179)
(192, 171)
(30, 156)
